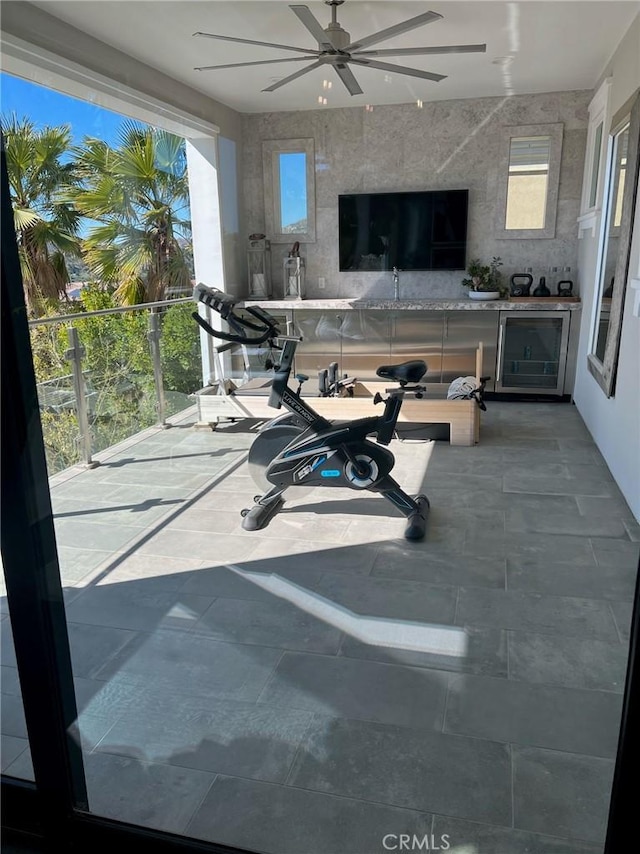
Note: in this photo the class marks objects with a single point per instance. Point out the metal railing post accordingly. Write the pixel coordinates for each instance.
(153, 336)
(75, 354)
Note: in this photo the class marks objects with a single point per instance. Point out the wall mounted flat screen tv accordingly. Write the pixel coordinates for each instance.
(411, 231)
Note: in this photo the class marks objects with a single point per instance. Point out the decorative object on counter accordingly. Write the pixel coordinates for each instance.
(484, 295)
(293, 274)
(521, 284)
(565, 285)
(396, 283)
(565, 288)
(485, 280)
(542, 290)
(259, 266)
(552, 278)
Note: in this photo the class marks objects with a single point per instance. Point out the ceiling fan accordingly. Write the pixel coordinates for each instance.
(336, 48)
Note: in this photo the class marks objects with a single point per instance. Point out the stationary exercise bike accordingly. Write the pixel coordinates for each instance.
(301, 448)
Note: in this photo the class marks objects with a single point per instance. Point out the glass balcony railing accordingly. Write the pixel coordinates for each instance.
(103, 376)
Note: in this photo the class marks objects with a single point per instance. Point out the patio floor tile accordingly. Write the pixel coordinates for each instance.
(219, 736)
(485, 652)
(512, 609)
(466, 836)
(315, 823)
(572, 662)
(276, 623)
(569, 719)
(408, 768)
(563, 791)
(348, 688)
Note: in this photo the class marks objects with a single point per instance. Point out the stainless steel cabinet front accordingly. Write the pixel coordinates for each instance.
(463, 331)
(418, 335)
(366, 337)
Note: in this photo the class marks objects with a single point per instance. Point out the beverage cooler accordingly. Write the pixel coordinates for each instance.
(532, 352)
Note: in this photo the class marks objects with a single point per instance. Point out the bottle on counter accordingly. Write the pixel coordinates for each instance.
(553, 278)
(542, 290)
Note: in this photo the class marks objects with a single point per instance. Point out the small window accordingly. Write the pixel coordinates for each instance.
(292, 195)
(595, 166)
(528, 181)
(595, 159)
(621, 174)
(289, 190)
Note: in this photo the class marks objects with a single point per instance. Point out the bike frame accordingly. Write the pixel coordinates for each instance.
(281, 395)
(317, 435)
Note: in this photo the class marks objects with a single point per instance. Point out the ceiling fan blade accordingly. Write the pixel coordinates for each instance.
(262, 44)
(308, 19)
(396, 30)
(398, 69)
(245, 64)
(293, 76)
(425, 51)
(346, 75)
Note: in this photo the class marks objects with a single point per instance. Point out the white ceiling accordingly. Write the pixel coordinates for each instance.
(536, 46)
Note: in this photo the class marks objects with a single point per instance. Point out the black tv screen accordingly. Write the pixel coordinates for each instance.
(411, 231)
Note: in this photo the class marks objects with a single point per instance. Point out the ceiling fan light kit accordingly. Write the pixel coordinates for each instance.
(336, 49)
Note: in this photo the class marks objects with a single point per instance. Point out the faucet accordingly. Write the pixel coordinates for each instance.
(396, 283)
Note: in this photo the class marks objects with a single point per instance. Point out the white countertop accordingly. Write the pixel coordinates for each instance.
(442, 304)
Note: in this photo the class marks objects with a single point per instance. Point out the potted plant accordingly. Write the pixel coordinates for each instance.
(485, 280)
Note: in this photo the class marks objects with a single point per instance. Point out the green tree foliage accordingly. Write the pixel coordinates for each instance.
(137, 193)
(180, 350)
(137, 248)
(46, 223)
(118, 373)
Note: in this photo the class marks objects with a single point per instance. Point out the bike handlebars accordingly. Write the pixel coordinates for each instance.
(224, 304)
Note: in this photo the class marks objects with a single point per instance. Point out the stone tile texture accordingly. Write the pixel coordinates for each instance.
(318, 684)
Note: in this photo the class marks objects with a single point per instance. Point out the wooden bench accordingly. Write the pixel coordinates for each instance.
(223, 401)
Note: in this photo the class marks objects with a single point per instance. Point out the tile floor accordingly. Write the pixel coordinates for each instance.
(323, 686)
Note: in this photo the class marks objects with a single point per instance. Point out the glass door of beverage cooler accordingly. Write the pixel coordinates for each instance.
(532, 351)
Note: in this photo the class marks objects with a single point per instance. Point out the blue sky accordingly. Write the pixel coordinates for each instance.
(46, 107)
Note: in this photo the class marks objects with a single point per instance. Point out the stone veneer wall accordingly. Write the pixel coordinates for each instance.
(446, 144)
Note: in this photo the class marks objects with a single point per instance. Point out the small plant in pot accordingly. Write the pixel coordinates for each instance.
(485, 280)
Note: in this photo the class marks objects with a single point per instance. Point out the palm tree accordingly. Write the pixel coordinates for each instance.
(46, 224)
(136, 194)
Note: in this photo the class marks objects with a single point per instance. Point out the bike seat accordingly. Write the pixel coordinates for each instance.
(407, 372)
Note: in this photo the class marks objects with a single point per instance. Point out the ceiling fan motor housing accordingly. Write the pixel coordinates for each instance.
(340, 38)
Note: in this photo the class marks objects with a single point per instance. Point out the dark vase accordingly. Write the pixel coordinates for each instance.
(542, 290)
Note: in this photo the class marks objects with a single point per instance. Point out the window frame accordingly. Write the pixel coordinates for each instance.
(271, 151)
(595, 162)
(604, 370)
(555, 133)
